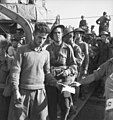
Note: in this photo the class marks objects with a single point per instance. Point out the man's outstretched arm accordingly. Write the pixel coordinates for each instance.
(86, 80)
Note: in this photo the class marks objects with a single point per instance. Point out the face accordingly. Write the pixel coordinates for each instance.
(39, 38)
(77, 35)
(69, 38)
(57, 34)
(103, 37)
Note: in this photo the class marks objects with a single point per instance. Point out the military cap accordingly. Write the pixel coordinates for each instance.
(104, 33)
(54, 27)
(68, 30)
(79, 30)
(88, 33)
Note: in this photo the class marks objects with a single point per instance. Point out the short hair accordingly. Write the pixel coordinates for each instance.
(41, 27)
(104, 13)
(82, 16)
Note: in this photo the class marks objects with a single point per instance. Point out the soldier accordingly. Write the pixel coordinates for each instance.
(69, 39)
(84, 48)
(83, 22)
(64, 68)
(103, 22)
(104, 71)
(85, 54)
(93, 32)
(103, 48)
(103, 56)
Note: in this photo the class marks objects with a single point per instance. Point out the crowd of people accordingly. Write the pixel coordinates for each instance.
(31, 73)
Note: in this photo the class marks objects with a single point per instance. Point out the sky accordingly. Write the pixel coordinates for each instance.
(70, 11)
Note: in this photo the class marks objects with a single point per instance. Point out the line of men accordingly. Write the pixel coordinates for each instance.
(30, 80)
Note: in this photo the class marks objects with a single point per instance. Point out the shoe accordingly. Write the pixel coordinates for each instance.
(72, 111)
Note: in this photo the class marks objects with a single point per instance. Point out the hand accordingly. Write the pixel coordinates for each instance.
(84, 72)
(59, 86)
(76, 84)
(53, 72)
(64, 73)
(81, 81)
(17, 95)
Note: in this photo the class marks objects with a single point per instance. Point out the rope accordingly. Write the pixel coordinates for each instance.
(77, 18)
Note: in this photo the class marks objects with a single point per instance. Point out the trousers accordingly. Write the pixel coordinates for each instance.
(56, 98)
(32, 106)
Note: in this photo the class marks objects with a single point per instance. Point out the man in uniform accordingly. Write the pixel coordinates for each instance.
(85, 53)
(103, 22)
(103, 56)
(64, 68)
(69, 39)
(104, 71)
